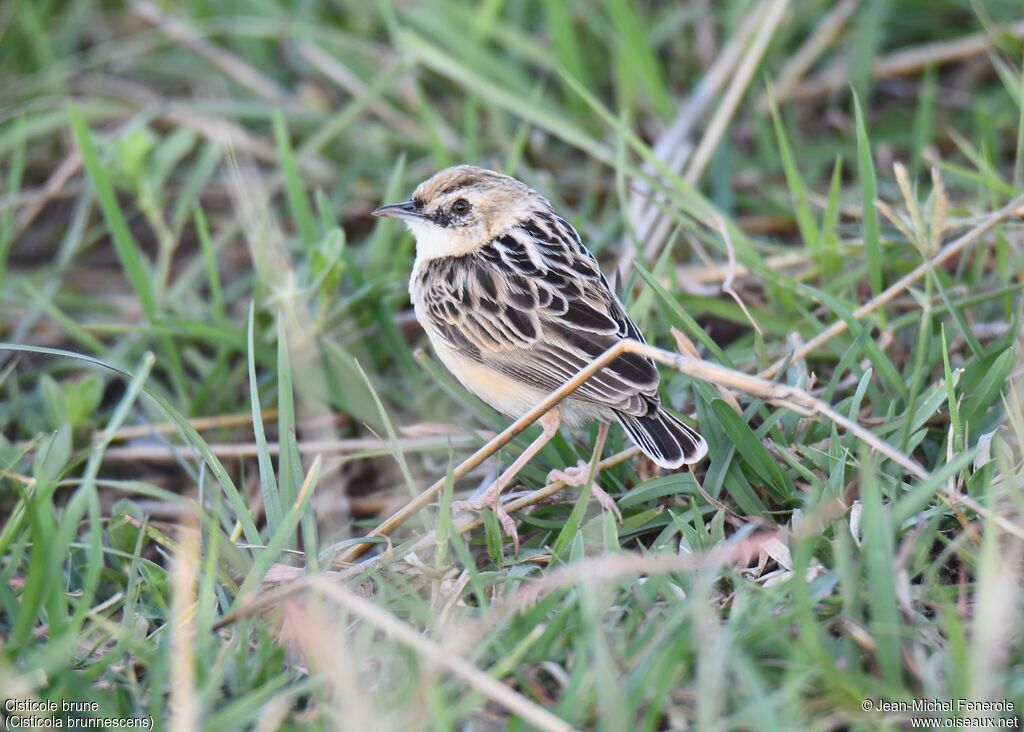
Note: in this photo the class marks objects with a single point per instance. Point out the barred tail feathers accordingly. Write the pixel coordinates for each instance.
(664, 439)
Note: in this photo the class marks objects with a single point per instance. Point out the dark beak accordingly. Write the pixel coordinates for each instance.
(405, 210)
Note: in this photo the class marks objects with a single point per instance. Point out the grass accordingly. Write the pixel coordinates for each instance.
(211, 388)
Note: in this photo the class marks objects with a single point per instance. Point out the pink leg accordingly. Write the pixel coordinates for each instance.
(492, 496)
(579, 474)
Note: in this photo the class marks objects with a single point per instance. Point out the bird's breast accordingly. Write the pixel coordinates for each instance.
(507, 395)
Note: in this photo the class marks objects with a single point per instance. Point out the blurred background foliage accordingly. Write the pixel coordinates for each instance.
(196, 304)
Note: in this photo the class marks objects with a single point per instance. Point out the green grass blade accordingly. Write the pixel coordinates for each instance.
(191, 435)
(268, 483)
(298, 202)
(869, 192)
(127, 251)
(282, 534)
(797, 190)
(15, 172)
(951, 401)
(878, 556)
(831, 262)
(210, 262)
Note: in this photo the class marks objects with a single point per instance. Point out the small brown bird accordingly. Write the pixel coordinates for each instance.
(514, 305)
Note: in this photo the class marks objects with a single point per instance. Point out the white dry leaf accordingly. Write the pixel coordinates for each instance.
(558, 673)
(414, 566)
(984, 454)
(814, 570)
(855, 510)
(755, 572)
(778, 551)
(904, 596)
(453, 591)
(777, 577)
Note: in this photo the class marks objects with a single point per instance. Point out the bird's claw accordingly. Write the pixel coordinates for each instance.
(577, 476)
(606, 502)
(574, 477)
(493, 501)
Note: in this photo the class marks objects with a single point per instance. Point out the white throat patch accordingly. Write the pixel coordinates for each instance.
(433, 242)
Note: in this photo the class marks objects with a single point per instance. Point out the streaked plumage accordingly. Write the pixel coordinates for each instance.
(515, 305)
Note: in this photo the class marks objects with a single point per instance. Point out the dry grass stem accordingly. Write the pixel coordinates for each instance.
(649, 222)
(184, 703)
(233, 66)
(810, 51)
(901, 63)
(200, 424)
(276, 542)
(436, 655)
(327, 651)
(346, 79)
(170, 453)
(686, 347)
(60, 176)
(464, 523)
(786, 396)
(718, 273)
(951, 250)
(731, 273)
(770, 16)
(615, 567)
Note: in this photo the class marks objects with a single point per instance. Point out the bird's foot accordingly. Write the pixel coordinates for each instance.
(577, 476)
(491, 499)
(606, 502)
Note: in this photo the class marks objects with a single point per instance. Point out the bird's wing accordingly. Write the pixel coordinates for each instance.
(533, 305)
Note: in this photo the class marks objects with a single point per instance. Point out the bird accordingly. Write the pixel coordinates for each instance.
(514, 304)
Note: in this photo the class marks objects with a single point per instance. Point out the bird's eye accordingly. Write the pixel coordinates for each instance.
(460, 206)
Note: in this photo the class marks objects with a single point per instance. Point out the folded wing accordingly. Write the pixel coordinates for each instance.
(533, 305)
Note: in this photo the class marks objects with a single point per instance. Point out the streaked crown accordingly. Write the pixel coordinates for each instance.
(463, 207)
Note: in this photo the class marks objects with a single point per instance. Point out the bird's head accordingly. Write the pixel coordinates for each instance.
(461, 208)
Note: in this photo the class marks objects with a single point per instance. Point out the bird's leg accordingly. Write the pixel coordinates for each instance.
(549, 423)
(579, 474)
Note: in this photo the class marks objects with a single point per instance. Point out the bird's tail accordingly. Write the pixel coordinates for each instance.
(664, 439)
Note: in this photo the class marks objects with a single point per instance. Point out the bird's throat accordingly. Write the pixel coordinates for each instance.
(434, 242)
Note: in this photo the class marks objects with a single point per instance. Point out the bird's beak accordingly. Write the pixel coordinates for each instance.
(407, 210)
